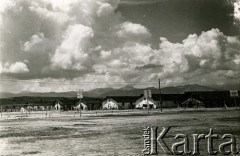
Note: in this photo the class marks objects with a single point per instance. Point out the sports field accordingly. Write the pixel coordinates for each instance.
(107, 132)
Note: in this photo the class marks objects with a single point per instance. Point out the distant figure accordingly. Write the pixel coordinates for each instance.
(225, 105)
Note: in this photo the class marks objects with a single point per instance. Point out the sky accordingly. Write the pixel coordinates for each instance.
(58, 45)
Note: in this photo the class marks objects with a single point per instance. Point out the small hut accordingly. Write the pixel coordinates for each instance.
(143, 103)
(23, 110)
(192, 102)
(29, 108)
(81, 106)
(58, 105)
(109, 103)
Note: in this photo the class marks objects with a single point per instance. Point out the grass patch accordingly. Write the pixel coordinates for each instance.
(36, 132)
(83, 124)
(230, 119)
(31, 152)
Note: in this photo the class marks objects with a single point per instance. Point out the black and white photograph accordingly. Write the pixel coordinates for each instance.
(119, 77)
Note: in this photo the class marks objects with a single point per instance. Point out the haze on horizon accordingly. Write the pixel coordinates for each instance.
(57, 45)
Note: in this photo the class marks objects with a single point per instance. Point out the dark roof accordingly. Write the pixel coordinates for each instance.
(210, 95)
(47, 100)
(58, 101)
(167, 97)
(123, 98)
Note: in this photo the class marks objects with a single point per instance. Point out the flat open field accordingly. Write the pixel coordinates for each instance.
(108, 133)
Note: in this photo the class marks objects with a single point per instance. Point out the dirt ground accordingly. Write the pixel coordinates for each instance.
(107, 133)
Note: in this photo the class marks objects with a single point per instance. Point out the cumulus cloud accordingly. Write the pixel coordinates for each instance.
(133, 31)
(237, 10)
(45, 30)
(72, 52)
(17, 67)
(90, 41)
(207, 53)
(35, 39)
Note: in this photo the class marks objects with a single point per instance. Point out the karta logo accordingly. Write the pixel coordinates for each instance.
(152, 141)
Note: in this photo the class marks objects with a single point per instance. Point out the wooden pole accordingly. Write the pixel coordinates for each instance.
(46, 108)
(160, 98)
(146, 97)
(59, 108)
(235, 101)
(80, 108)
(21, 114)
(1, 109)
(148, 105)
(75, 111)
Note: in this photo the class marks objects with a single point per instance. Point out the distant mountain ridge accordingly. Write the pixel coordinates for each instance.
(103, 92)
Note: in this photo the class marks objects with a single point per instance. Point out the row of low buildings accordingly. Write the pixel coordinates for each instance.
(188, 100)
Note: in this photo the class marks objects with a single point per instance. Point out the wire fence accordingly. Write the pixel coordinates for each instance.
(100, 113)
